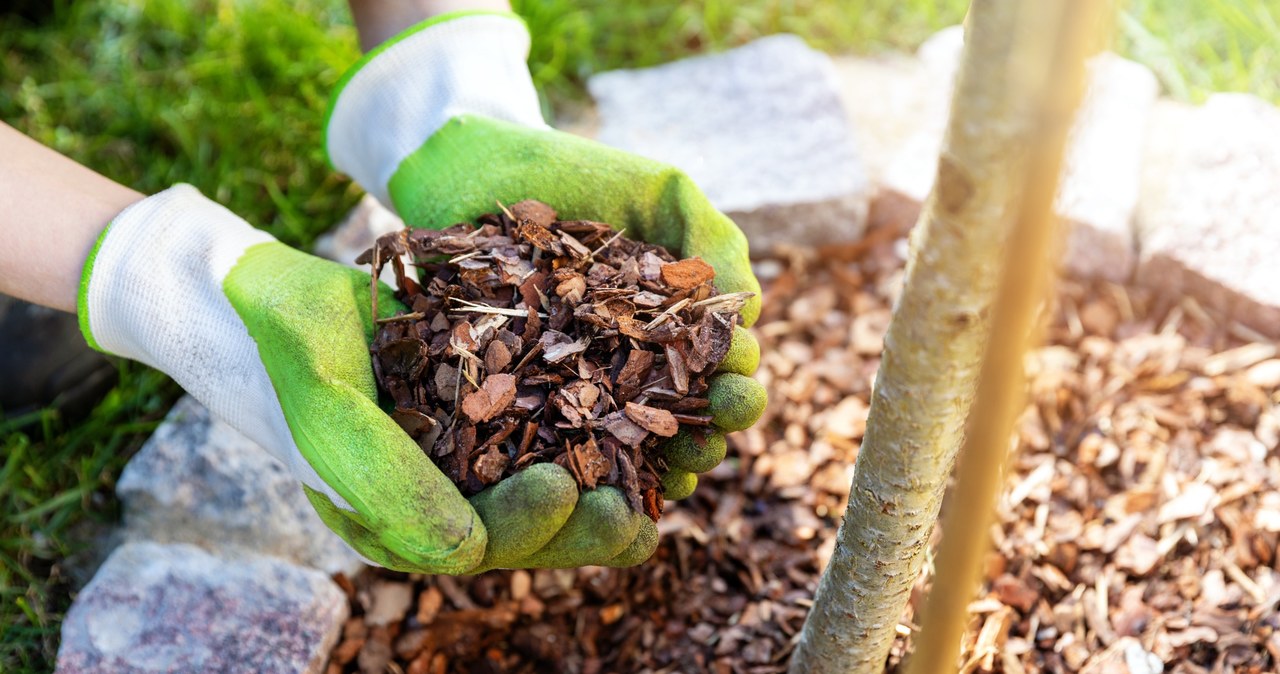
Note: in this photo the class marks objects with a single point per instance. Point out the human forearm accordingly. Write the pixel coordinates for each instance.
(379, 20)
(51, 212)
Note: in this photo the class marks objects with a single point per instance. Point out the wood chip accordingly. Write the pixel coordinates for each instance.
(688, 273)
(654, 420)
(389, 602)
(497, 392)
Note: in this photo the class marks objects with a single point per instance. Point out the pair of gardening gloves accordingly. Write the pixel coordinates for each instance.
(439, 122)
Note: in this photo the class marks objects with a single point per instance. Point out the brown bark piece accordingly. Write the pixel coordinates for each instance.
(589, 464)
(652, 419)
(489, 466)
(624, 429)
(541, 238)
(631, 377)
(688, 273)
(498, 391)
(533, 211)
(496, 357)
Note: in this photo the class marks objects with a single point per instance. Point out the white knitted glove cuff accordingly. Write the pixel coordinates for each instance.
(154, 294)
(390, 106)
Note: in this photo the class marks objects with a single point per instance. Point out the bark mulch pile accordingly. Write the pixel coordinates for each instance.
(1139, 528)
(531, 339)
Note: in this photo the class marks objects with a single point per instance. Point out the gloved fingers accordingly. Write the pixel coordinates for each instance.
(353, 529)
(695, 450)
(312, 333)
(453, 178)
(744, 353)
(601, 527)
(405, 501)
(366, 458)
(524, 512)
(678, 484)
(642, 546)
(736, 401)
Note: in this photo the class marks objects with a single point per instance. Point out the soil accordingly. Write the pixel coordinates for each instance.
(529, 339)
(1137, 533)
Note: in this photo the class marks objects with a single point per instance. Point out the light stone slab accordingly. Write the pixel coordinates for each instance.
(759, 128)
(199, 481)
(903, 135)
(1102, 168)
(1209, 217)
(175, 608)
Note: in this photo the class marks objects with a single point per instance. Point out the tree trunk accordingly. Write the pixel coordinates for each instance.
(1055, 69)
(933, 350)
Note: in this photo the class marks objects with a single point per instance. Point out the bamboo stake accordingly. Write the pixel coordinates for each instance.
(1052, 41)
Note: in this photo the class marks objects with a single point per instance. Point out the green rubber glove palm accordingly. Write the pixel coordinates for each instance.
(404, 124)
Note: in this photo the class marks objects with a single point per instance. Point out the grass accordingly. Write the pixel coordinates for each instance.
(229, 96)
(575, 38)
(1196, 48)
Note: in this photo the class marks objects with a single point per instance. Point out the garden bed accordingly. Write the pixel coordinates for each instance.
(1139, 525)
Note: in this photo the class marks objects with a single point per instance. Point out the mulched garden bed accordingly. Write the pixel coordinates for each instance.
(1139, 526)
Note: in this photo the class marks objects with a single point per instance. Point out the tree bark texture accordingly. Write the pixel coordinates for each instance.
(1054, 68)
(932, 357)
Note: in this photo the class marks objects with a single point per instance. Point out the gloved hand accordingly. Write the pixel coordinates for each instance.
(275, 342)
(443, 121)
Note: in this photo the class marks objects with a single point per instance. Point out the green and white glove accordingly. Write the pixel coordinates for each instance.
(275, 342)
(443, 120)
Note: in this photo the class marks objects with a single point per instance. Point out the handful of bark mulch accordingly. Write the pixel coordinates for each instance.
(531, 339)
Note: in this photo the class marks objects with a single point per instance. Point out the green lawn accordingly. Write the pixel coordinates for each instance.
(230, 95)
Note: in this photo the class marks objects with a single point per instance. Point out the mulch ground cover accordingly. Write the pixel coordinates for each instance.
(1138, 530)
